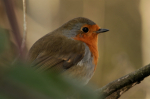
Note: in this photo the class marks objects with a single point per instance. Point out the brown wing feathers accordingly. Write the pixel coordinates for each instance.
(58, 55)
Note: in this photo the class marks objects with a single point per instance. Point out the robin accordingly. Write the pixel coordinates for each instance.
(71, 49)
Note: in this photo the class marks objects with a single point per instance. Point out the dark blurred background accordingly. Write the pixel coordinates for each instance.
(122, 50)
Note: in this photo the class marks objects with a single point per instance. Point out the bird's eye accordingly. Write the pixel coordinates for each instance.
(85, 29)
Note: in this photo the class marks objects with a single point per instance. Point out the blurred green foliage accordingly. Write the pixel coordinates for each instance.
(3, 39)
(20, 81)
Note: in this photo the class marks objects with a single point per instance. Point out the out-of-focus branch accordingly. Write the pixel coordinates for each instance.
(23, 45)
(115, 89)
(14, 25)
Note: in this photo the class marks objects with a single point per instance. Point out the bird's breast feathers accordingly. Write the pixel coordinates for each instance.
(84, 69)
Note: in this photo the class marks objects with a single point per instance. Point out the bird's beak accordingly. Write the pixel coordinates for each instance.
(102, 31)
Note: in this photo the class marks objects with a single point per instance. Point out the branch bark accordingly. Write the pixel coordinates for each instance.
(115, 89)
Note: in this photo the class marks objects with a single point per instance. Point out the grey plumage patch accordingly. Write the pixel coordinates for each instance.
(87, 59)
(88, 54)
(72, 27)
(86, 66)
(82, 20)
(72, 32)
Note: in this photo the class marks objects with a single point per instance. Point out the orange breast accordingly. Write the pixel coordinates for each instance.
(91, 41)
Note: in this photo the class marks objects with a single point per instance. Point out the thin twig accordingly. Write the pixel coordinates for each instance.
(24, 25)
(14, 25)
(15, 28)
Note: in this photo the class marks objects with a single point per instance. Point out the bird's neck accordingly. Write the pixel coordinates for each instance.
(91, 42)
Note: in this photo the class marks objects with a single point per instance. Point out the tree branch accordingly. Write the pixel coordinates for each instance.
(23, 45)
(116, 88)
(14, 25)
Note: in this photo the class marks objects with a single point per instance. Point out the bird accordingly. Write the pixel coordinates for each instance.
(71, 49)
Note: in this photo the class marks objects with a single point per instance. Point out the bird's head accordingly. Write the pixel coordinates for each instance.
(82, 29)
